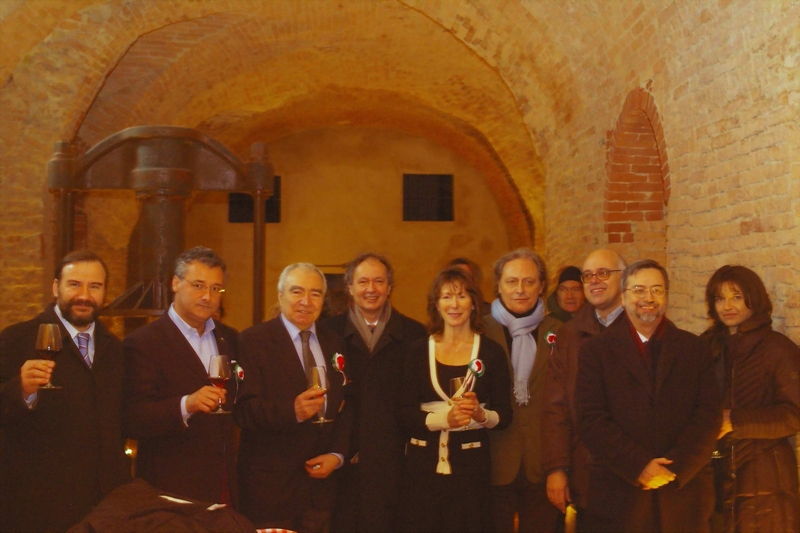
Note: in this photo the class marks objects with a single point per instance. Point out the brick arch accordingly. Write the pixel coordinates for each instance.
(637, 180)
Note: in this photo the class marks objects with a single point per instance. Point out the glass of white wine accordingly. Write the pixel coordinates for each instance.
(318, 377)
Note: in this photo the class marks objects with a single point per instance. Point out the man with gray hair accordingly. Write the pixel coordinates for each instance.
(649, 413)
(518, 323)
(294, 435)
(183, 449)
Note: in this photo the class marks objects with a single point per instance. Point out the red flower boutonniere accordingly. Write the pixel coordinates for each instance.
(338, 363)
(550, 337)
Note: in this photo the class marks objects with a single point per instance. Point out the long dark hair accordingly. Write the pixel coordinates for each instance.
(454, 276)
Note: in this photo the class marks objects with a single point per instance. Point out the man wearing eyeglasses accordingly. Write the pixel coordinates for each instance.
(564, 456)
(182, 449)
(649, 414)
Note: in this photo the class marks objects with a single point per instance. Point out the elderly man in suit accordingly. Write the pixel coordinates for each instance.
(376, 336)
(287, 452)
(183, 449)
(649, 413)
(62, 450)
(518, 323)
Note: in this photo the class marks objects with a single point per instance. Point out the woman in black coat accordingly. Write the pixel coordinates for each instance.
(448, 464)
(758, 369)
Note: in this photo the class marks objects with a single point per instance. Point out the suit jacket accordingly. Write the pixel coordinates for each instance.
(372, 498)
(274, 447)
(61, 457)
(521, 444)
(626, 419)
(561, 448)
(161, 368)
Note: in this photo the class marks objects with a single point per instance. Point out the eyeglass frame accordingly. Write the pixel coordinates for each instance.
(639, 291)
(597, 273)
(199, 286)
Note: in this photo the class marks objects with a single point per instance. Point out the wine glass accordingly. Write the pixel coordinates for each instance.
(48, 342)
(219, 371)
(455, 385)
(317, 377)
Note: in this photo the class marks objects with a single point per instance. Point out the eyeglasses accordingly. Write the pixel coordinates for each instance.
(601, 273)
(199, 286)
(640, 292)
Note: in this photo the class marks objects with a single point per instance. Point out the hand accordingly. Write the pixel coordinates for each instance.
(458, 417)
(308, 403)
(204, 399)
(558, 489)
(321, 466)
(654, 475)
(727, 427)
(469, 405)
(35, 372)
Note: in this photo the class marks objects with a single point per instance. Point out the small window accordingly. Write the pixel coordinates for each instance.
(428, 197)
(240, 206)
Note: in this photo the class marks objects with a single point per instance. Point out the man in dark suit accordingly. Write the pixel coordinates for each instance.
(182, 449)
(649, 413)
(376, 336)
(62, 450)
(287, 456)
(564, 456)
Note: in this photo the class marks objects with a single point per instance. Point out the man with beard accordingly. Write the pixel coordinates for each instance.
(649, 413)
(376, 336)
(564, 456)
(62, 450)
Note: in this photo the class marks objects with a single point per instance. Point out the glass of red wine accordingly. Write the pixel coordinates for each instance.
(219, 371)
(48, 342)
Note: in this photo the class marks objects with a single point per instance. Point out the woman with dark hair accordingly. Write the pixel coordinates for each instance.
(758, 370)
(447, 455)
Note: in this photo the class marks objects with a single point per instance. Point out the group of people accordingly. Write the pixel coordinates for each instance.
(497, 416)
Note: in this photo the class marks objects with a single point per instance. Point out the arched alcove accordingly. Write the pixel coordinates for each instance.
(637, 180)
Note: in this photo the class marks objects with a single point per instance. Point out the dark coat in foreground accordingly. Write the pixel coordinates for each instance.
(275, 486)
(194, 461)
(61, 457)
(757, 474)
(626, 419)
(369, 495)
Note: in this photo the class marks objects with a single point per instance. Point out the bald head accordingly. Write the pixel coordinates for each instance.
(603, 294)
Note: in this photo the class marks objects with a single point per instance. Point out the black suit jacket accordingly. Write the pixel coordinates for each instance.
(162, 367)
(626, 419)
(61, 457)
(274, 447)
(370, 500)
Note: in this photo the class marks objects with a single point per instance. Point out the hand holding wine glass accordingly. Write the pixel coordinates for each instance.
(48, 342)
(318, 378)
(219, 372)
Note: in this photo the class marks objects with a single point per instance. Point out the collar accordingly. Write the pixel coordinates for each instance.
(294, 331)
(185, 328)
(610, 318)
(72, 330)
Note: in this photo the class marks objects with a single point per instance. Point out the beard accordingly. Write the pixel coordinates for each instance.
(649, 317)
(79, 320)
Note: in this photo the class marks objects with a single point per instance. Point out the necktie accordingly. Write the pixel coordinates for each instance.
(308, 357)
(83, 347)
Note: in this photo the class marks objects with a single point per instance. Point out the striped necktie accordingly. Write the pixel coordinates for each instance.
(83, 347)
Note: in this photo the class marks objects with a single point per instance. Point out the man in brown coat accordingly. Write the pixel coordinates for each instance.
(564, 457)
(649, 413)
(518, 323)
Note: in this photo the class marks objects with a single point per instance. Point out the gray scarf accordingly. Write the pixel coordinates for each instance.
(370, 337)
(523, 345)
